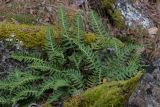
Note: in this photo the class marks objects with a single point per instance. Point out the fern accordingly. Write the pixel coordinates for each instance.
(4, 100)
(63, 22)
(52, 83)
(76, 78)
(53, 50)
(127, 61)
(27, 57)
(23, 93)
(96, 24)
(78, 26)
(56, 95)
(71, 66)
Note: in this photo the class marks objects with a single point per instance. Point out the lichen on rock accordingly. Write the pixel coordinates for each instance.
(110, 94)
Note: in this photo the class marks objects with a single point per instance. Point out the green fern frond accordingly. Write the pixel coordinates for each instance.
(127, 61)
(75, 77)
(77, 59)
(53, 83)
(78, 26)
(55, 96)
(60, 83)
(5, 100)
(44, 67)
(53, 50)
(96, 24)
(23, 93)
(93, 63)
(17, 79)
(63, 22)
(27, 57)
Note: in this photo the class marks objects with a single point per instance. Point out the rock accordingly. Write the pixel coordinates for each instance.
(147, 92)
(6, 63)
(134, 17)
(2, 18)
(109, 94)
(152, 31)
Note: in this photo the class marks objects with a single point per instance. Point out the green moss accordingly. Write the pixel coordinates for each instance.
(118, 19)
(108, 4)
(115, 14)
(31, 36)
(112, 94)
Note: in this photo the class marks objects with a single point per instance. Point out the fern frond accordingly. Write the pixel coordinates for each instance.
(45, 66)
(55, 96)
(76, 59)
(75, 78)
(126, 60)
(52, 83)
(62, 18)
(17, 79)
(23, 93)
(27, 57)
(53, 50)
(60, 83)
(78, 26)
(93, 63)
(5, 101)
(96, 24)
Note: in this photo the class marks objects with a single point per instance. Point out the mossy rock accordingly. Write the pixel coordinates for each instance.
(108, 4)
(30, 35)
(115, 14)
(34, 35)
(110, 94)
(118, 19)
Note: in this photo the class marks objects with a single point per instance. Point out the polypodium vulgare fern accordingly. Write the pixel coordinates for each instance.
(70, 66)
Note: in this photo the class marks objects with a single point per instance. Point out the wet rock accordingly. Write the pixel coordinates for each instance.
(147, 92)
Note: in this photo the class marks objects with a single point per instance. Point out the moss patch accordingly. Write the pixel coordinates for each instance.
(118, 19)
(31, 36)
(112, 94)
(115, 14)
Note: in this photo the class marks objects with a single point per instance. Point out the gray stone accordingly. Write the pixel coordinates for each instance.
(147, 92)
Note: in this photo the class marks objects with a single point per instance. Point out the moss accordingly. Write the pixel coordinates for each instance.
(118, 19)
(30, 35)
(112, 94)
(108, 4)
(47, 105)
(90, 37)
(115, 14)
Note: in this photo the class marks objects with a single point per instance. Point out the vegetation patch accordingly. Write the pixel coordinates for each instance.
(69, 63)
(114, 13)
(109, 94)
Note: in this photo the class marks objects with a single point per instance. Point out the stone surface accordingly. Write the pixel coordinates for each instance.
(153, 31)
(147, 92)
(134, 17)
(6, 63)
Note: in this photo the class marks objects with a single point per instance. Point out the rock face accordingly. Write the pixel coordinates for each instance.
(147, 93)
(109, 94)
(134, 16)
(6, 63)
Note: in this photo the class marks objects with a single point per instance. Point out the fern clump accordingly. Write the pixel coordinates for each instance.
(69, 66)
